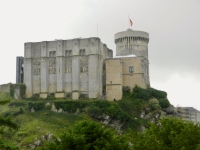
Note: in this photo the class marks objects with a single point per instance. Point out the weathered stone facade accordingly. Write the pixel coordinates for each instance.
(131, 67)
(86, 67)
(65, 67)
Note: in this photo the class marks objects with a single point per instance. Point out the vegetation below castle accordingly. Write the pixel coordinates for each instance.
(47, 126)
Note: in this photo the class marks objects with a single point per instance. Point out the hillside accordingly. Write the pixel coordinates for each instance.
(41, 120)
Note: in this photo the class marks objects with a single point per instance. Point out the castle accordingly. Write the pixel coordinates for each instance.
(85, 66)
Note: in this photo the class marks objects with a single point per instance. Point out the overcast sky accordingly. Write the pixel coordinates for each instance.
(173, 27)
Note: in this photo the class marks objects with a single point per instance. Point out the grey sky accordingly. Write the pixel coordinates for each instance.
(173, 27)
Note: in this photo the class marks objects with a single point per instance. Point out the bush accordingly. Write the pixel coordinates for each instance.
(148, 93)
(4, 98)
(171, 134)
(131, 106)
(19, 112)
(164, 103)
(89, 135)
(16, 104)
(154, 104)
(36, 105)
(126, 89)
(71, 106)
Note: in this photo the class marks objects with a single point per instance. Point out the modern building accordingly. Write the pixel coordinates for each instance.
(188, 113)
(86, 67)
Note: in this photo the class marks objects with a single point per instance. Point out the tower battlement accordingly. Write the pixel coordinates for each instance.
(132, 42)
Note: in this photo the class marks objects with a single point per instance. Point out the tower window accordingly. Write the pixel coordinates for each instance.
(68, 53)
(82, 52)
(52, 54)
(131, 69)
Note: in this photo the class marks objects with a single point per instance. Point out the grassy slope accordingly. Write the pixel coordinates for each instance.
(34, 125)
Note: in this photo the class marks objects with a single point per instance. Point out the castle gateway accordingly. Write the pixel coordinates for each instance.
(85, 66)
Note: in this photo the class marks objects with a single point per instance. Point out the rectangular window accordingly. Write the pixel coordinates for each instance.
(68, 53)
(52, 54)
(82, 52)
(131, 69)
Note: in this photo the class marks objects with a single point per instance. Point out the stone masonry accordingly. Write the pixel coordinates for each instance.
(65, 67)
(75, 67)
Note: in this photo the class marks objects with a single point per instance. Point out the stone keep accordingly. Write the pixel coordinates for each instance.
(71, 68)
(65, 67)
(131, 67)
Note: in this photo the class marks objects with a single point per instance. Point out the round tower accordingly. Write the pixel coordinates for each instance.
(132, 42)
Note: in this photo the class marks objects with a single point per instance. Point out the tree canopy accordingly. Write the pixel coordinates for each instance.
(170, 134)
(89, 135)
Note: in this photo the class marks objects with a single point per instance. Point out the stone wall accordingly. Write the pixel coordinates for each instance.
(17, 91)
(65, 67)
(113, 79)
(139, 76)
(5, 88)
(118, 75)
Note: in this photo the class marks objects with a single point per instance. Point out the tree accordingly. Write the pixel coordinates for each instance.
(89, 135)
(6, 123)
(171, 134)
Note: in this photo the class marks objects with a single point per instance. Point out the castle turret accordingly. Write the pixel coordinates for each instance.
(132, 42)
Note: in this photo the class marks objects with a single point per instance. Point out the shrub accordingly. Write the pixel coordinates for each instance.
(71, 106)
(126, 89)
(164, 103)
(154, 104)
(148, 93)
(36, 105)
(89, 135)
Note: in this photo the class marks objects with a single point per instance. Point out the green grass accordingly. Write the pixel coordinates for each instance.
(34, 125)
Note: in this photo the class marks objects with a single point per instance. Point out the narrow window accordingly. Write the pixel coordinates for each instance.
(70, 52)
(50, 54)
(82, 52)
(66, 53)
(131, 69)
(54, 54)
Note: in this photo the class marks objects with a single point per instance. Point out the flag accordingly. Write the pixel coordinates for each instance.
(131, 22)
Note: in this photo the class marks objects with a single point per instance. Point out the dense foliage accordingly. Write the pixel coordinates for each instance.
(36, 105)
(71, 106)
(89, 136)
(163, 102)
(4, 98)
(171, 134)
(5, 125)
(148, 93)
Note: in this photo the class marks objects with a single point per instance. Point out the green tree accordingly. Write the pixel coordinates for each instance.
(171, 134)
(89, 135)
(6, 124)
(154, 104)
(164, 102)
